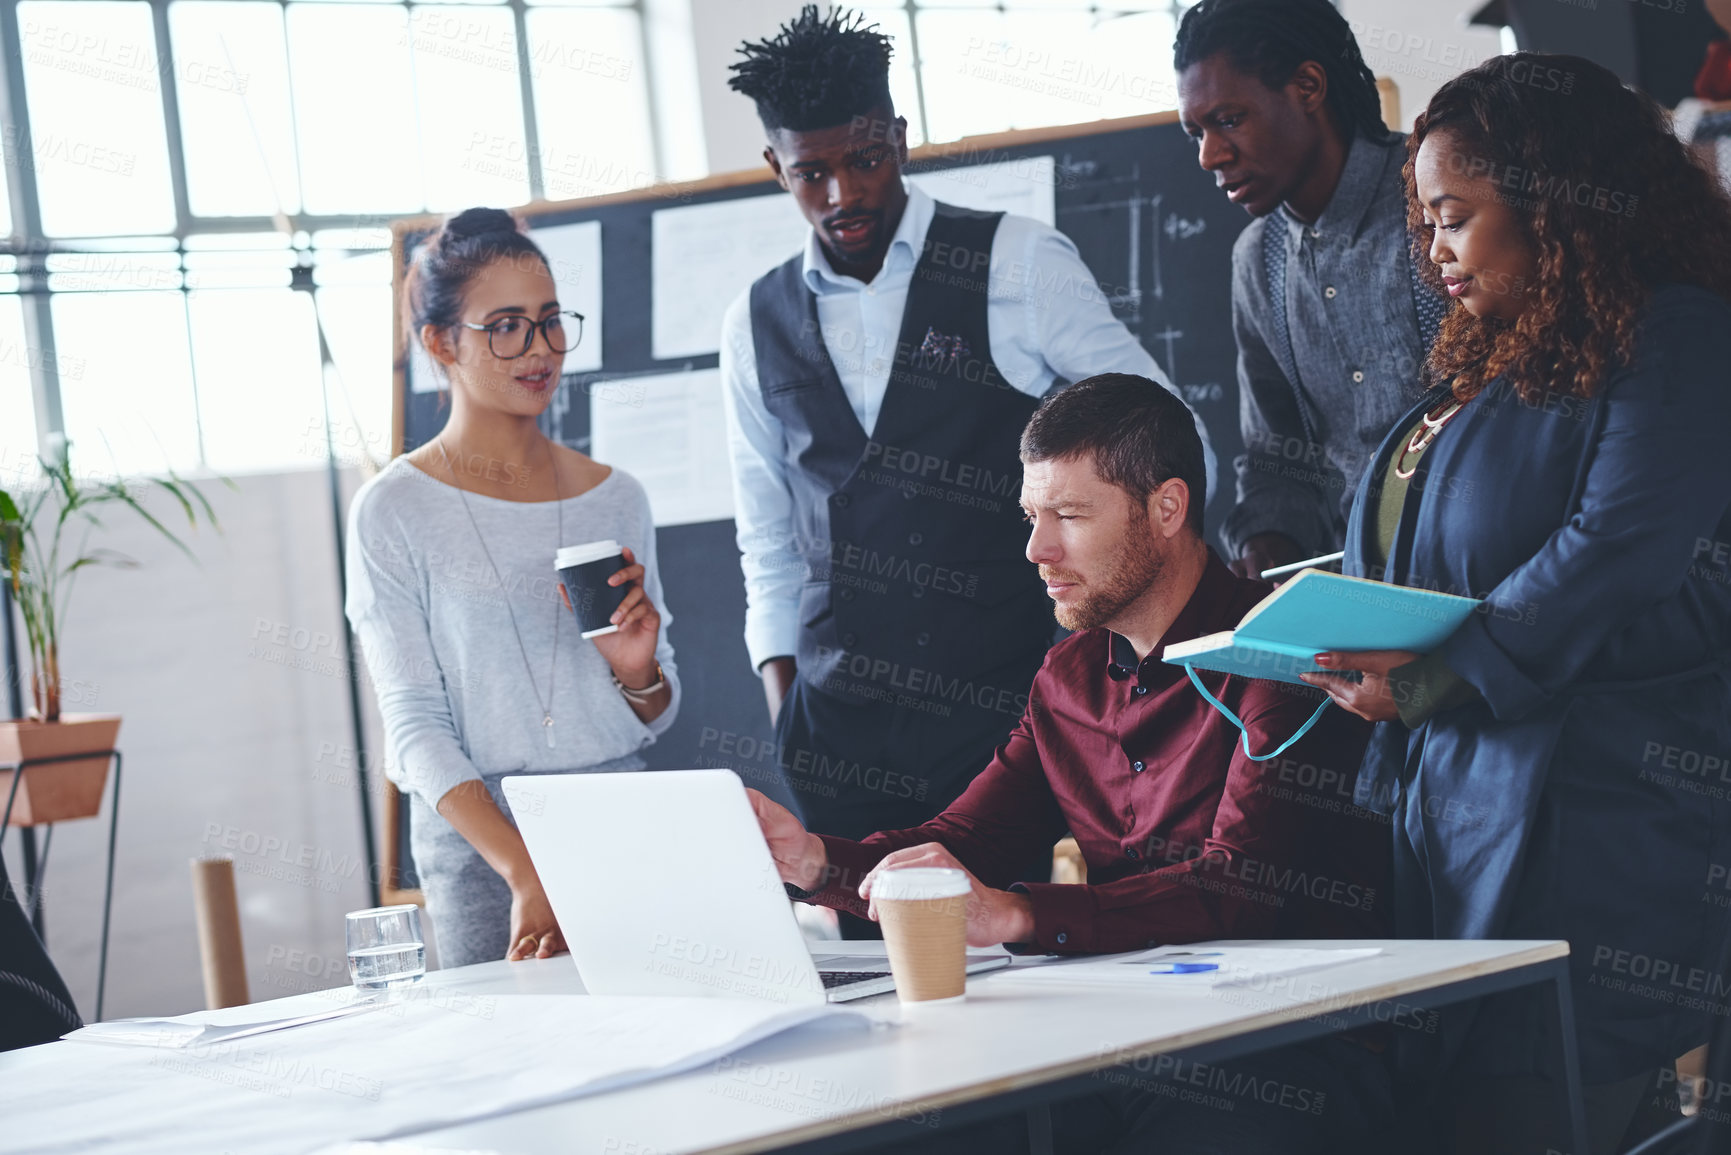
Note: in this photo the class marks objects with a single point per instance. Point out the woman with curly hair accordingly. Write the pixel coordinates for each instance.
(1561, 766)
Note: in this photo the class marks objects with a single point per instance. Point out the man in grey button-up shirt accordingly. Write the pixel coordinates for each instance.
(1327, 310)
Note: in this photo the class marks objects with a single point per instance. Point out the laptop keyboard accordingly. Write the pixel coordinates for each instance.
(833, 979)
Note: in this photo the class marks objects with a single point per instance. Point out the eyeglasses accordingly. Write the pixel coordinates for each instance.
(511, 337)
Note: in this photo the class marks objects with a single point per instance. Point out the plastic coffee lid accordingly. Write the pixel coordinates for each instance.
(918, 882)
(580, 554)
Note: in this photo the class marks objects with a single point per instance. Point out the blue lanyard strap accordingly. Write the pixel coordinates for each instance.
(1233, 718)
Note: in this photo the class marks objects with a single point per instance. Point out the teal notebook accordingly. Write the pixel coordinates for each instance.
(1318, 611)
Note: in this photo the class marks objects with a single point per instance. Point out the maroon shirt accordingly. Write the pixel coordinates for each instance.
(1185, 837)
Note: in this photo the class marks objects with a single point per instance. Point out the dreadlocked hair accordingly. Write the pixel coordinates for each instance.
(1612, 203)
(816, 72)
(1269, 39)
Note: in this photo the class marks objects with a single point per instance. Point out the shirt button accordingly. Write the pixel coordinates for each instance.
(841, 500)
(871, 290)
(1132, 852)
(923, 640)
(1316, 232)
(907, 495)
(919, 591)
(1329, 292)
(849, 639)
(1060, 938)
(1358, 376)
(847, 595)
(915, 538)
(1138, 767)
(1141, 690)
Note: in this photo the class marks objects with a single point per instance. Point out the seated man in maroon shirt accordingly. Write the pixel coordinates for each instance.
(1186, 837)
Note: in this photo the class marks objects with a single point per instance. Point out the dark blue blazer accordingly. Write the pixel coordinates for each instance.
(1588, 795)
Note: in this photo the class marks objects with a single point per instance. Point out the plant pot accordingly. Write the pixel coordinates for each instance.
(58, 790)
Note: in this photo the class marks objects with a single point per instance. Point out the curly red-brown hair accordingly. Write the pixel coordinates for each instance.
(1611, 201)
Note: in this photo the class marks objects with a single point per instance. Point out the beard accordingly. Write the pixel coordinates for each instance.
(1136, 566)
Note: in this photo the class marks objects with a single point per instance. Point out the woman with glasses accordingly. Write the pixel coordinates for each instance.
(474, 653)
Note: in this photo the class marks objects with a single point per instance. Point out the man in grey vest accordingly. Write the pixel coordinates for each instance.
(1331, 319)
(876, 387)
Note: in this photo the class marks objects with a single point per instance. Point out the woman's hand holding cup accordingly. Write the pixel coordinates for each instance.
(630, 650)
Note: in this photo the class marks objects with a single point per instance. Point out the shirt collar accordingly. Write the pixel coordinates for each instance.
(1200, 615)
(904, 250)
(1360, 180)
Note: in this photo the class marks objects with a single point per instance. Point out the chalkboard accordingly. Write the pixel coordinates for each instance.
(1150, 224)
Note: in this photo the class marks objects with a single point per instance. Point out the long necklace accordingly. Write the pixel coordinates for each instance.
(547, 705)
(1430, 425)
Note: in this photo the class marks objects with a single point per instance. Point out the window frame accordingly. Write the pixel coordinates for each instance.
(31, 246)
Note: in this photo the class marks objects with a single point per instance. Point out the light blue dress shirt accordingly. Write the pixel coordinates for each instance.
(1047, 318)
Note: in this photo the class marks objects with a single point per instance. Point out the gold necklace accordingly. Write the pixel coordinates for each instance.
(1430, 425)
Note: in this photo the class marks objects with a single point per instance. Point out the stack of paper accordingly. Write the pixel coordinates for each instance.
(404, 1068)
(188, 1030)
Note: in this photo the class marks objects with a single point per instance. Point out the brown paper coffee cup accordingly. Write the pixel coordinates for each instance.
(924, 914)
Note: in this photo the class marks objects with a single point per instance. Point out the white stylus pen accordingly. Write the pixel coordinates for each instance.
(1280, 570)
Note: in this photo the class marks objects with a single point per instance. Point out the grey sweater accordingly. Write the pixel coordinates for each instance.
(431, 617)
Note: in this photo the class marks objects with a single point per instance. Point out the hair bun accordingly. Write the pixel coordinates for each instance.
(479, 222)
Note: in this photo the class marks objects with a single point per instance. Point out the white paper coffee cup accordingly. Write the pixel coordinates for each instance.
(924, 913)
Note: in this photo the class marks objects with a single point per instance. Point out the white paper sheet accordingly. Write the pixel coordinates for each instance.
(574, 258)
(703, 256)
(669, 431)
(1023, 186)
(440, 1061)
(200, 1028)
(1235, 966)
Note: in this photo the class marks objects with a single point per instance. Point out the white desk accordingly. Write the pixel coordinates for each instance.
(1010, 1046)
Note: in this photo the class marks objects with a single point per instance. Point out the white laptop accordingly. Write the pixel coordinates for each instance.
(663, 885)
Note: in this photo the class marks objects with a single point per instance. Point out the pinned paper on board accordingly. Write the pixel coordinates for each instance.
(1023, 186)
(669, 431)
(574, 258)
(703, 256)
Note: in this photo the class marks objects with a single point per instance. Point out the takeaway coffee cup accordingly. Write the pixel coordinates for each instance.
(924, 912)
(585, 569)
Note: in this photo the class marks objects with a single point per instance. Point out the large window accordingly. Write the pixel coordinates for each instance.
(964, 67)
(192, 186)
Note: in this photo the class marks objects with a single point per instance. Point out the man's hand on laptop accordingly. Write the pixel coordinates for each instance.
(994, 916)
(799, 855)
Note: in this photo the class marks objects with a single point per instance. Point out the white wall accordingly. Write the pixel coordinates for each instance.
(733, 138)
(1421, 44)
(236, 741)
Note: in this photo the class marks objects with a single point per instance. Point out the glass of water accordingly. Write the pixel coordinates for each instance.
(385, 947)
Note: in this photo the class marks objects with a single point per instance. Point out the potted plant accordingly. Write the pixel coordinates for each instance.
(44, 542)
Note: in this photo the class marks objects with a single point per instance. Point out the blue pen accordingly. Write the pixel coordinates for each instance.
(1183, 968)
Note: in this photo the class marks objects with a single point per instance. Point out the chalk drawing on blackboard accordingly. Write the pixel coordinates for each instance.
(1180, 229)
(1169, 336)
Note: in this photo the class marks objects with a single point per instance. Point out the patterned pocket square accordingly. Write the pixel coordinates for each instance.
(943, 351)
